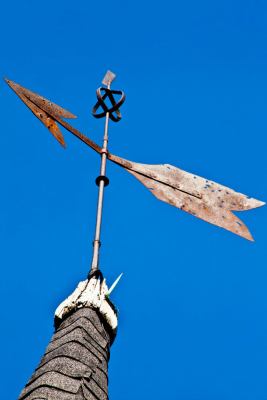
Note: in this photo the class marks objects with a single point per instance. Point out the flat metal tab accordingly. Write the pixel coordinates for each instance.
(109, 78)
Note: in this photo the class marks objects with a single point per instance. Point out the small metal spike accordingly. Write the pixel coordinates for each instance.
(114, 285)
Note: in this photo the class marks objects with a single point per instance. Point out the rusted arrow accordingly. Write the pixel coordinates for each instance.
(197, 196)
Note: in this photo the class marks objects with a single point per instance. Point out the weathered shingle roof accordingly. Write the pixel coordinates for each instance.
(75, 364)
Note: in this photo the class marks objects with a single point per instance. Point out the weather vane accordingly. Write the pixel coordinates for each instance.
(75, 361)
(197, 196)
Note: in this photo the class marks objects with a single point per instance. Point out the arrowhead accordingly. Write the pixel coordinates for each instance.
(44, 104)
(42, 109)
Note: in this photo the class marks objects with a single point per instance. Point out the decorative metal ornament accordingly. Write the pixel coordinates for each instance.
(197, 196)
(115, 106)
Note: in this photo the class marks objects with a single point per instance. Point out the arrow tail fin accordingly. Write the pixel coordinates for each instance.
(197, 196)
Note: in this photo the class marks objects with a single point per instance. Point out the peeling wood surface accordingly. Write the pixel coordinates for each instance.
(89, 294)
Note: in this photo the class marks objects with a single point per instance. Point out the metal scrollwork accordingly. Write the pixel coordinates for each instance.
(115, 105)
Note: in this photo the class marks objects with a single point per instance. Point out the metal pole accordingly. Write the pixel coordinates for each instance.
(102, 182)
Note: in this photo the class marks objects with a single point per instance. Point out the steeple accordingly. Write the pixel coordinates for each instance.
(75, 363)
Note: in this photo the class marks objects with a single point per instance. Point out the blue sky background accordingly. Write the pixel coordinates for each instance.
(192, 300)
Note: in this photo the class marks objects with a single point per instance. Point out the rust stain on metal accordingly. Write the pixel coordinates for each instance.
(197, 196)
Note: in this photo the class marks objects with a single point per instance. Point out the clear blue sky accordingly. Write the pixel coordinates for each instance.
(192, 300)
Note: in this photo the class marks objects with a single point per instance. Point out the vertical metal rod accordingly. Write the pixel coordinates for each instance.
(97, 243)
